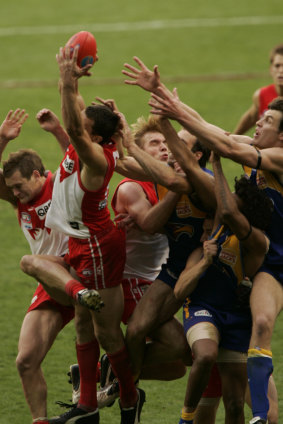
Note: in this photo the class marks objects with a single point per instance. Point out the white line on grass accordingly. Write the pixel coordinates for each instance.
(144, 25)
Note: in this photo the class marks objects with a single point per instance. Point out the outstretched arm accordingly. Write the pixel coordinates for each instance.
(90, 152)
(9, 130)
(201, 181)
(49, 122)
(143, 77)
(157, 171)
(11, 127)
(216, 138)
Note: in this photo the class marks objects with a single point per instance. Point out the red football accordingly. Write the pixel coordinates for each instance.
(87, 49)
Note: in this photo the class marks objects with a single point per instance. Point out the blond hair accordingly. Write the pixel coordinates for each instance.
(143, 126)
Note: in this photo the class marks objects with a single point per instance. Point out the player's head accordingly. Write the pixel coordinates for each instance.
(148, 136)
(201, 152)
(269, 128)
(24, 173)
(254, 203)
(100, 122)
(276, 64)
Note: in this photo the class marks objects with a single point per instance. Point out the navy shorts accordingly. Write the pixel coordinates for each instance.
(234, 326)
(167, 276)
(275, 270)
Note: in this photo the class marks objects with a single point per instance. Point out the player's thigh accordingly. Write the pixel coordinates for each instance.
(266, 296)
(147, 312)
(110, 315)
(233, 377)
(39, 330)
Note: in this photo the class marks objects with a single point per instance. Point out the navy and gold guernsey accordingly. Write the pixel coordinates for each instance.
(184, 230)
(268, 182)
(216, 297)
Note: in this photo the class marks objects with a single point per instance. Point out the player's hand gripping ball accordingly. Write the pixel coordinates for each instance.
(87, 49)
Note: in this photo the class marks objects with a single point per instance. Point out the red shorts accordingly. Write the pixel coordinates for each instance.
(99, 260)
(40, 297)
(213, 388)
(134, 289)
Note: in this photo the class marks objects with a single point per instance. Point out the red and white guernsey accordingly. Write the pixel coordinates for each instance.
(145, 253)
(31, 216)
(76, 211)
(266, 95)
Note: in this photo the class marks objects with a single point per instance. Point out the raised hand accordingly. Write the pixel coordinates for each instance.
(48, 120)
(12, 124)
(165, 104)
(68, 66)
(143, 77)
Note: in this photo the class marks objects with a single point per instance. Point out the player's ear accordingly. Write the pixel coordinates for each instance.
(36, 173)
(96, 138)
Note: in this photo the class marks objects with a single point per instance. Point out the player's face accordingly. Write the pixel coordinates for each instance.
(24, 189)
(276, 69)
(154, 144)
(267, 130)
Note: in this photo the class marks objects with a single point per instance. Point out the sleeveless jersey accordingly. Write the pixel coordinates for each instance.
(268, 182)
(266, 95)
(145, 252)
(219, 283)
(76, 211)
(31, 217)
(183, 229)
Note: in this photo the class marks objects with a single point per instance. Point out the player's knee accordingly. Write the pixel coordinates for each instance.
(28, 264)
(136, 330)
(262, 325)
(234, 407)
(25, 363)
(206, 359)
(109, 340)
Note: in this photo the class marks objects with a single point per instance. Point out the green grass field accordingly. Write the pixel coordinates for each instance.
(216, 53)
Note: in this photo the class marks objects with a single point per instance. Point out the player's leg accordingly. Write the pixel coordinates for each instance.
(203, 338)
(53, 273)
(208, 405)
(234, 380)
(272, 398)
(146, 317)
(39, 330)
(110, 336)
(168, 343)
(266, 302)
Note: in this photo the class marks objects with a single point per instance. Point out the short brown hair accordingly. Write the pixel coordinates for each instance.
(276, 50)
(26, 161)
(143, 126)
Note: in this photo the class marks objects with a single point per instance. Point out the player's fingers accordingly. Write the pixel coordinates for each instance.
(131, 68)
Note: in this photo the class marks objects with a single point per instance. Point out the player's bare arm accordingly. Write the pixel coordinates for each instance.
(11, 127)
(253, 240)
(197, 263)
(202, 182)
(216, 138)
(249, 118)
(49, 122)
(150, 219)
(157, 171)
(90, 152)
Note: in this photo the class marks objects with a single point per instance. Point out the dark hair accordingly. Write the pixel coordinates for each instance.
(105, 121)
(257, 206)
(277, 104)
(26, 161)
(198, 146)
(276, 50)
